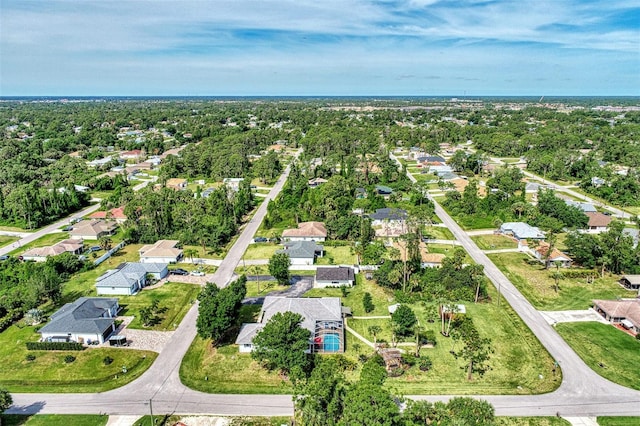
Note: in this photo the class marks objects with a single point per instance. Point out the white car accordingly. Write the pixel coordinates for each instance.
(198, 273)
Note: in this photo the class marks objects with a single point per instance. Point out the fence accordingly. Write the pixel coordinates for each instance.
(109, 253)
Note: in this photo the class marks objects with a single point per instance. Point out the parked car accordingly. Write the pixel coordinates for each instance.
(198, 273)
(260, 240)
(67, 228)
(94, 248)
(4, 257)
(178, 271)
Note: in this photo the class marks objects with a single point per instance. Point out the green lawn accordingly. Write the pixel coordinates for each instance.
(535, 283)
(599, 343)
(494, 242)
(265, 287)
(5, 240)
(438, 233)
(341, 255)
(531, 421)
(618, 421)
(14, 229)
(177, 298)
(55, 420)
(49, 373)
(45, 240)
(259, 251)
(200, 253)
(382, 298)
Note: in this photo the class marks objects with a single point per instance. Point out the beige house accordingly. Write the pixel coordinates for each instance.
(306, 231)
(556, 255)
(40, 254)
(93, 229)
(625, 312)
(177, 184)
(163, 251)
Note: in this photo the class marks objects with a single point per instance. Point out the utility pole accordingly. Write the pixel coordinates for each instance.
(151, 411)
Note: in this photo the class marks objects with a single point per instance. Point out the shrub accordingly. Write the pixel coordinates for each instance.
(68, 359)
(409, 359)
(30, 357)
(367, 303)
(107, 360)
(54, 346)
(425, 363)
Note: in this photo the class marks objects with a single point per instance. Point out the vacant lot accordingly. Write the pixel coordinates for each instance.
(258, 251)
(5, 240)
(494, 242)
(174, 298)
(438, 233)
(342, 255)
(536, 284)
(49, 373)
(598, 343)
(619, 421)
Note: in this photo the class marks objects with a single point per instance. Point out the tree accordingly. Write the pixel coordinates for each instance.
(319, 399)
(5, 401)
(105, 243)
(281, 344)
(374, 330)
(220, 309)
(469, 411)
(557, 276)
(403, 319)
(279, 267)
(190, 253)
(476, 351)
(367, 404)
(367, 302)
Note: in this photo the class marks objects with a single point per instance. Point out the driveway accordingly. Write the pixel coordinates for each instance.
(554, 317)
(300, 284)
(147, 340)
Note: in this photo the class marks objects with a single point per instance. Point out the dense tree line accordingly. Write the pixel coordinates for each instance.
(220, 309)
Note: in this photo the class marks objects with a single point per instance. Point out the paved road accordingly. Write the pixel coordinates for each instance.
(161, 383)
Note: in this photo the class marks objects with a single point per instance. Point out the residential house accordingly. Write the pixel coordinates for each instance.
(88, 319)
(556, 255)
(385, 191)
(631, 282)
(521, 231)
(361, 193)
(93, 229)
(532, 187)
(634, 234)
(207, 192)
(431, 159)
(135, 155)
(129, 278)
(389, 222)
(315, 182)
(597, 182)
(302, 252)
(306, 231)
(336, 276)
(625, 312)
(438, 169)
(585, 207)
(177, 184)
(598, 222)
(233, 183)
(100, 162)
(163, 251)
(321, 316)
(432, 260)
(116, 214)
(40, 254)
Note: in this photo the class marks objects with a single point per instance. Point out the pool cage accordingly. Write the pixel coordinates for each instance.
(328, 337)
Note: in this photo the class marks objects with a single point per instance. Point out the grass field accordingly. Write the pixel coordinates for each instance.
(177, 298)
(259, 251)
(531, 421)
(341, 255)
(204, 254)
(618, 421)
(265, 287)
(438, 233)
(599, 343)
(494, 242)
(536, 284)
(55, 420)
(49, 373)
(5, 240)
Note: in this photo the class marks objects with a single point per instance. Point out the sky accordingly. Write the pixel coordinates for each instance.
(319, 47)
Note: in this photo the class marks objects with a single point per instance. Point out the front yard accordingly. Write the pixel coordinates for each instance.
(494, 242)
(49, 373)
(598, 344)
(536, 284)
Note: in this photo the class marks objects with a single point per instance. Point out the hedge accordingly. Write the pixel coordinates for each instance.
(54, 346)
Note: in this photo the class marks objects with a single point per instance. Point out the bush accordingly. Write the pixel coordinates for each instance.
(69, 359)
(425, 363)
(107, 360)
(367, 303)
(409, 359)
(579, 273)
(30, 357)
(54, 346)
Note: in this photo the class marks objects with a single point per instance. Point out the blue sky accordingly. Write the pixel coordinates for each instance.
(320, 47)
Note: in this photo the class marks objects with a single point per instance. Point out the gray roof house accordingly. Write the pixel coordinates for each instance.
(321, 316)
(522, 231)
(389, 214)
(129, 278)
(335, 276)
(585, 207)
(88, 319)
(302, 252)
(531, 187)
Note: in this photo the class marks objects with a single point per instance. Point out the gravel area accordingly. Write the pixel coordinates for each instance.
(148, 340)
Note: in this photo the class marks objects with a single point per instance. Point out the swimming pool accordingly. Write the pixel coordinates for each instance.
(331, 342)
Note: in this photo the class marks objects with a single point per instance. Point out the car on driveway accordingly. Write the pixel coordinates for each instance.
(178, 271)
(67, 228)
(94, 248)
(260, 240)
(4, 257)
(198, 273)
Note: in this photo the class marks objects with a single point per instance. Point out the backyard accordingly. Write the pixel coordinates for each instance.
(608, 351)
(536, 284)
(49, 372)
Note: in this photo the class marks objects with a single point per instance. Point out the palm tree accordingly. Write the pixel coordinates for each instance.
(374, 330)
(105, 243)
(190, 253)
(557, 275)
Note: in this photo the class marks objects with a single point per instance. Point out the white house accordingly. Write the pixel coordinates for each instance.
(335, 276)
(129, 278)
(521, 231)
(163, 251)
(302, 252)
(306, 231)
(88, 319)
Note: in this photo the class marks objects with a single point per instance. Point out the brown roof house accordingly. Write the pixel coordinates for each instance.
(163, 251)
(40, 254)
(93, 229)
(116, 214)
(177, 184)
(306, 231)
(598, 222)
(625, 312)
(542, 250)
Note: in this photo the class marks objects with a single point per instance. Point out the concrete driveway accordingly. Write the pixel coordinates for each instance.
(554, 317)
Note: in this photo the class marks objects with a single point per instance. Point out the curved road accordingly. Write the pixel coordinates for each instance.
(582, 392)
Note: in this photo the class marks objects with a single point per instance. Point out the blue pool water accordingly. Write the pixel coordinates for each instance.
(331, 343)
